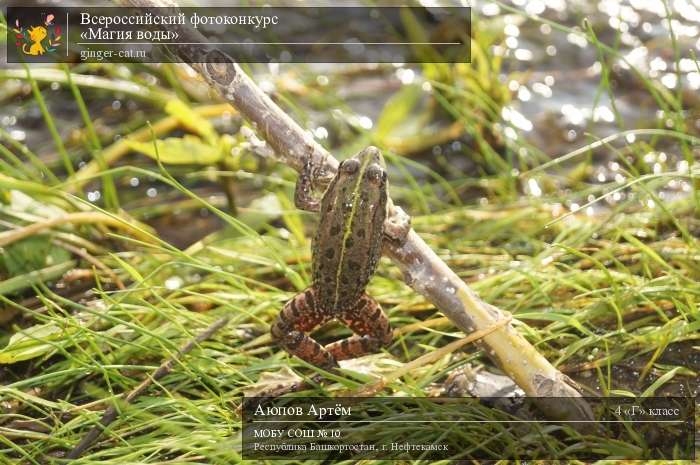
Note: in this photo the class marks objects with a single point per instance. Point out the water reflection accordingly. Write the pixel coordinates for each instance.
(563, 96)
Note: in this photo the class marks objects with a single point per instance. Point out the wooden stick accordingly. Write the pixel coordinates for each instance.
(424, 359)
(422, 269)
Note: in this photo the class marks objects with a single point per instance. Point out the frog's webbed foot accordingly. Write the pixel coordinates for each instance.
(398, 224)
(304, 190)
(299, 316)
(371, 326)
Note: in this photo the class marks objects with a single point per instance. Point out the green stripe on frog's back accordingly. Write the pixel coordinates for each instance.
(347, 229)
(348, 241)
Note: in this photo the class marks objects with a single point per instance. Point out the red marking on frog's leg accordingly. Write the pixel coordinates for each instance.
(371, 326)
(299, 316)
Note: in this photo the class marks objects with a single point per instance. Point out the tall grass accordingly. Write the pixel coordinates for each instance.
(609, 295)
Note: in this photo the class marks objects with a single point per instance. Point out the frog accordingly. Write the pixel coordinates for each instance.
(345, 253)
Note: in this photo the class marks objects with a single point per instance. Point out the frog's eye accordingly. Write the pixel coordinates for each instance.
(349, 166)
(376, 174)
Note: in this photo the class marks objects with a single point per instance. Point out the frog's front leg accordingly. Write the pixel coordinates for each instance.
(299, 316)
(398, 223)
(304, 198)
(371, 326)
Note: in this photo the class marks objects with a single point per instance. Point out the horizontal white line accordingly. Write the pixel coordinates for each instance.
(468, 421)
(269, 43)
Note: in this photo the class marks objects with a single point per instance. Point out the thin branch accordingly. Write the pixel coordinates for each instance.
(85, 255)
(422, 269)
(429, 357)
(8, 237)
(111, 413)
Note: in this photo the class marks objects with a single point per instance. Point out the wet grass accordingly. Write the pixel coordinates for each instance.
(602, 277)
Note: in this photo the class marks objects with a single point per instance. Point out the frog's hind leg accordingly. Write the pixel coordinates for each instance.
(299, 316)
(371, 326)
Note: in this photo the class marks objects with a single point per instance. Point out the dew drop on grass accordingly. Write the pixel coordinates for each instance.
(543, 89)
(670, 80)
(511, 30)
(490, 9)
(524, 94)
(534, 188)
(523, 54)
(321, 132)
(174, 282)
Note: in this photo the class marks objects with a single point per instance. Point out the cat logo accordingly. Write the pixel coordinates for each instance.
(37, 40)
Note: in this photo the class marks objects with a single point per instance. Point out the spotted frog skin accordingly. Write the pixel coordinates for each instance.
(345, 253)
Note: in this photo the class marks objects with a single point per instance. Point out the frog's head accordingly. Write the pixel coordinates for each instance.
(366, 164)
